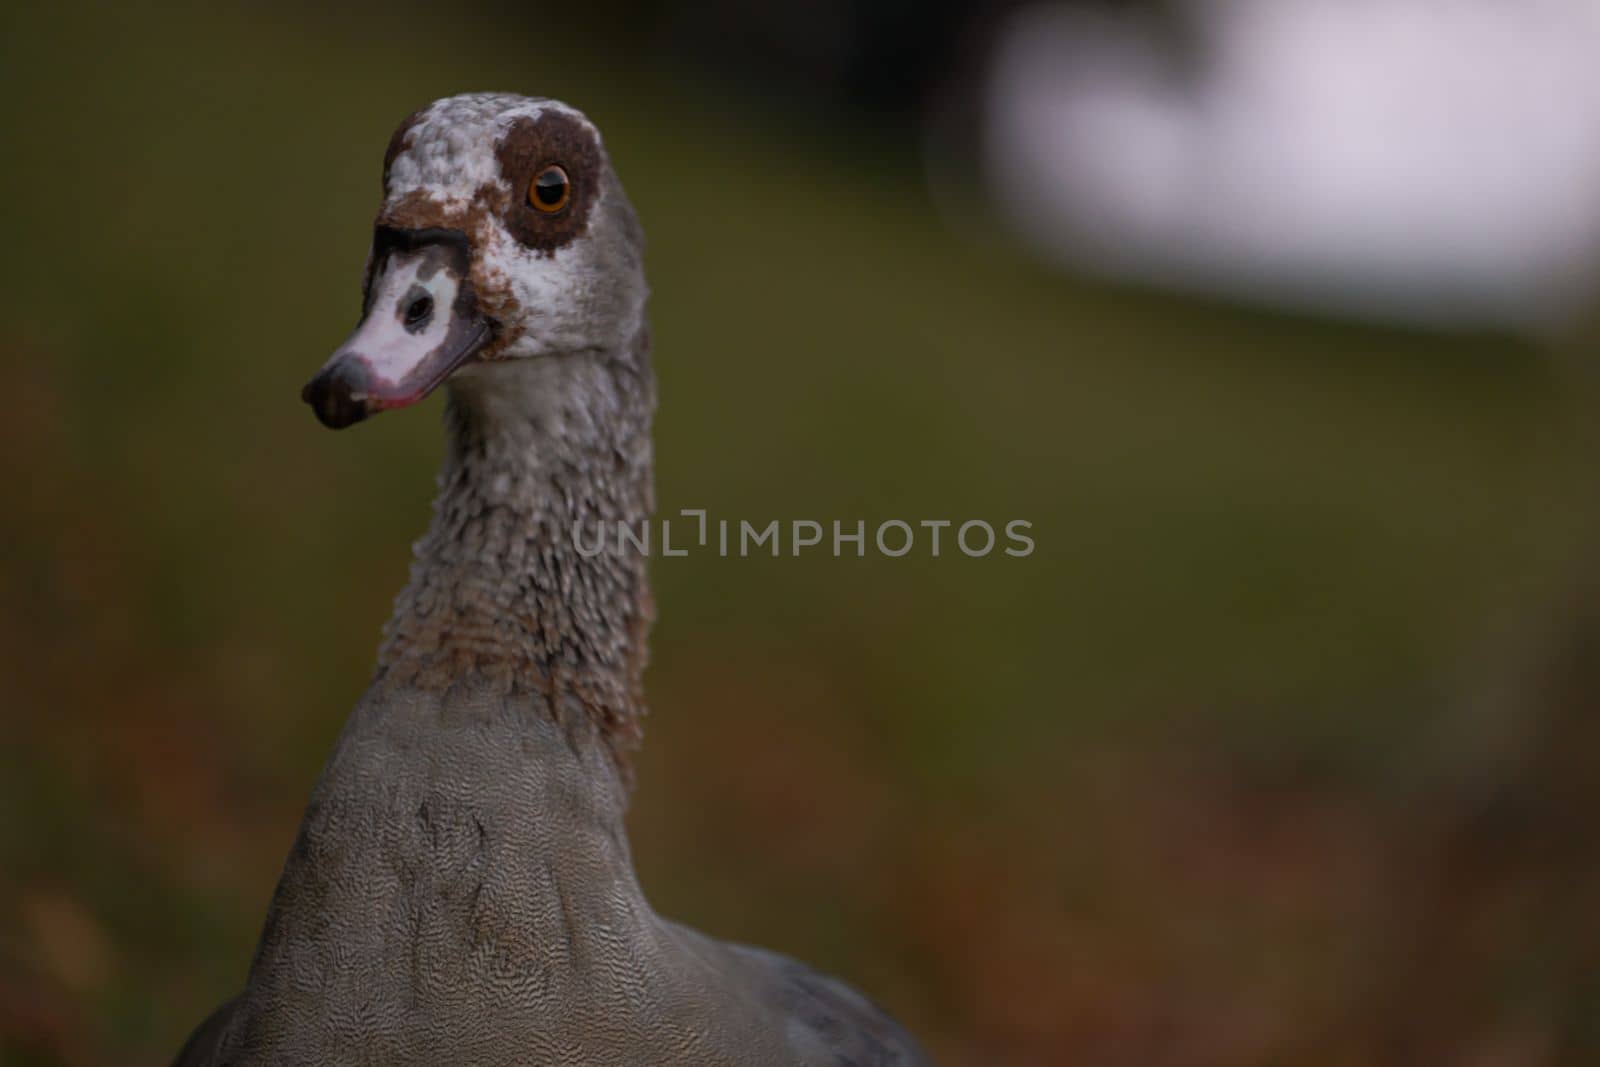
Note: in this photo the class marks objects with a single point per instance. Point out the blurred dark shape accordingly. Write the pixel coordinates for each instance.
(1467, 964)
(877, 59)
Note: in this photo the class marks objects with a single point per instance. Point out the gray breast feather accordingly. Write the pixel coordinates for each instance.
(461, 892)
(830, 1024)
(201, 1048)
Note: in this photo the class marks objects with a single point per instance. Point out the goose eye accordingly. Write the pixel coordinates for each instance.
(550, 190)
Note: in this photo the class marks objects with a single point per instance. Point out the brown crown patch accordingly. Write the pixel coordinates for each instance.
(531, 145)
(399, 142)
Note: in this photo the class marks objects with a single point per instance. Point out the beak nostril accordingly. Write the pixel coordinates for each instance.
(418, 312)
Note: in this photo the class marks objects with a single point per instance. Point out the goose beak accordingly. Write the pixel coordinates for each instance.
(421, 321)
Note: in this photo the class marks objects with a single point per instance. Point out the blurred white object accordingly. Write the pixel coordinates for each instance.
(1430, 160)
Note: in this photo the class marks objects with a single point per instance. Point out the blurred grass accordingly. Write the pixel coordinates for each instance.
(1128, 795)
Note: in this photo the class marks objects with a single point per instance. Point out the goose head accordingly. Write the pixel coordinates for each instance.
(503, 236)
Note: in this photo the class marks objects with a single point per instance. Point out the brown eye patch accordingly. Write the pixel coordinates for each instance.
(544, 213)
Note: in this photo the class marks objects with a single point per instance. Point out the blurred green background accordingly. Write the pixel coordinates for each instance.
(1280, 749)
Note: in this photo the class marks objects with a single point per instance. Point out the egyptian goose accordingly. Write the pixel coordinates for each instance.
(461, 889)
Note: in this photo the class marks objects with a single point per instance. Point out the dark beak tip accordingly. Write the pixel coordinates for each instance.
(329, 395)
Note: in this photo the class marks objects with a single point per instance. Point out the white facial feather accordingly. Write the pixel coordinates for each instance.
(586, 294)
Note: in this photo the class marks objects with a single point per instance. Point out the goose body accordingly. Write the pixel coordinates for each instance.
(461, 889)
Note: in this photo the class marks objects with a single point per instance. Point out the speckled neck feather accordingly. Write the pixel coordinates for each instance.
(499, 593)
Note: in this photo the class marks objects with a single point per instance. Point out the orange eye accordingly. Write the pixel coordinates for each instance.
(550, 190)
